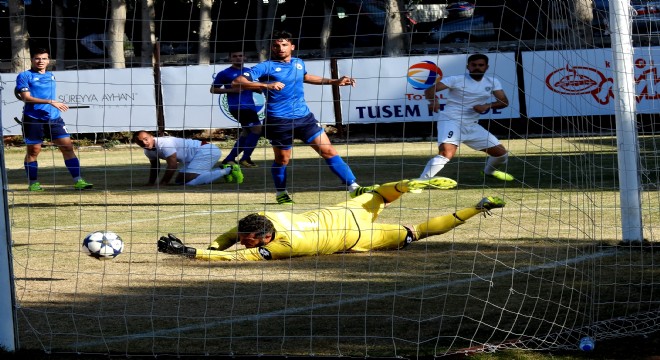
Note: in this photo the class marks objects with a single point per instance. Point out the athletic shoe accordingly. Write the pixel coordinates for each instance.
(248, 163)
(171, 244)
(443, 183)
(363, 190)
(35, 187)
(489, 203)
(229, 178)
(284, 199)
(237, 174)
(500, 175)
(82, 185)
(228, 162)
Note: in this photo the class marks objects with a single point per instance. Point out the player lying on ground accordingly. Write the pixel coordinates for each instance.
(348, 226)
(197, 158)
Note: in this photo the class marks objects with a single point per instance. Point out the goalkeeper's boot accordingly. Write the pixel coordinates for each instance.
(500, 175)
(363, 190)
(81, 184)
(284, 199)
(35, 187)
(489, 203)
(237, 173)
(416, 186)
(171, 244)
(229, 178)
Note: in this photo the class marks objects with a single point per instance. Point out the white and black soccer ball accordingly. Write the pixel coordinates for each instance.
(103, 245)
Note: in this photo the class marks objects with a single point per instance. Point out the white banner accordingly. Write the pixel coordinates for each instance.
(189, 104)
(114, 100)
(579, 82)
(392, 89)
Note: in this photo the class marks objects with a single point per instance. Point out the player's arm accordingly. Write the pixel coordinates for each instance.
(318, 80)
(272, 251)
(170, 170)
(153, 171)
(243, 83)
(225, 240)
(23, 92)
(501, 101)
(429, 94)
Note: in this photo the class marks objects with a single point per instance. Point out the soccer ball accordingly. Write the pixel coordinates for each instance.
(103, 245)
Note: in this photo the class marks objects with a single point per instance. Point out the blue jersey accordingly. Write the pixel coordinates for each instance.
(242, 100)
(288, 103)
(41, 86)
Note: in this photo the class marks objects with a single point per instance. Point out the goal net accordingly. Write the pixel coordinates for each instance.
(570, 255)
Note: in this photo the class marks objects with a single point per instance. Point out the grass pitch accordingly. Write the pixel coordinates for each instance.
(546, 264)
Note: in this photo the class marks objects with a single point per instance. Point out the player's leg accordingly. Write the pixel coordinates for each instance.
(442, 224)
(449, 138)
(33, 134)
(62, 139)
(383, 237)
(251, 134)
(309, 131)
(200, 170)
(392, 191)
(481, 139)
(280, 134)
(235, 150)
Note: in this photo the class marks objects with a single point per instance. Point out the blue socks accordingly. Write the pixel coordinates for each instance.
(249, 143)
(341, 169)
(73, 165)
(279, 176)
(32, 170)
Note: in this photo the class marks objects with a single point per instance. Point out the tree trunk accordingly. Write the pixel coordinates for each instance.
(148, 32)
(264, 29)
(116, 34)
(583, 16)
(61, 35)
(395, 41)
(326, 28)
(20, 52)
(205, 26)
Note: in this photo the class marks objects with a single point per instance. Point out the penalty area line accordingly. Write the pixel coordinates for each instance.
(344, 301)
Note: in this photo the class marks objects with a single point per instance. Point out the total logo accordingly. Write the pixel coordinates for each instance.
(259, 103)
(423, 75)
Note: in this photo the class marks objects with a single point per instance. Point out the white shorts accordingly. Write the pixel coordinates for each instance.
(470, 134)
(205, 158)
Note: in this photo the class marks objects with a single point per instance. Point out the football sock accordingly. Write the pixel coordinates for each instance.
(73, 165)
(279, 176)
(234, 151)
(392, 191)
(341, 169)
(249, 144)
(442, 224)
(209, 176)
(492, 162)
(31, 169)
(433, 166)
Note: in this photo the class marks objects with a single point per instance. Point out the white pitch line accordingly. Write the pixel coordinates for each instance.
(133, 221)
(307, 309)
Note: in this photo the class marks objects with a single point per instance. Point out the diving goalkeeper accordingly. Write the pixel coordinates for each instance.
(346, 227)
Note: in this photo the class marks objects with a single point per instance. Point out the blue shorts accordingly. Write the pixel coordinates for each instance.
(35, 130)
(281, 132)
(246, 117)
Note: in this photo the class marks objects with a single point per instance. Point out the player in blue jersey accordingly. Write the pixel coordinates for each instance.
(287, 114)
(242, 108)
(41, 119)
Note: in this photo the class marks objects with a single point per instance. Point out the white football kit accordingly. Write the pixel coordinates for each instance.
(196, 157)
(457, 123)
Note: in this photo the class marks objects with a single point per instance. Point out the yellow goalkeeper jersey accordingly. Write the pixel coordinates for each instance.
(347, 226)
